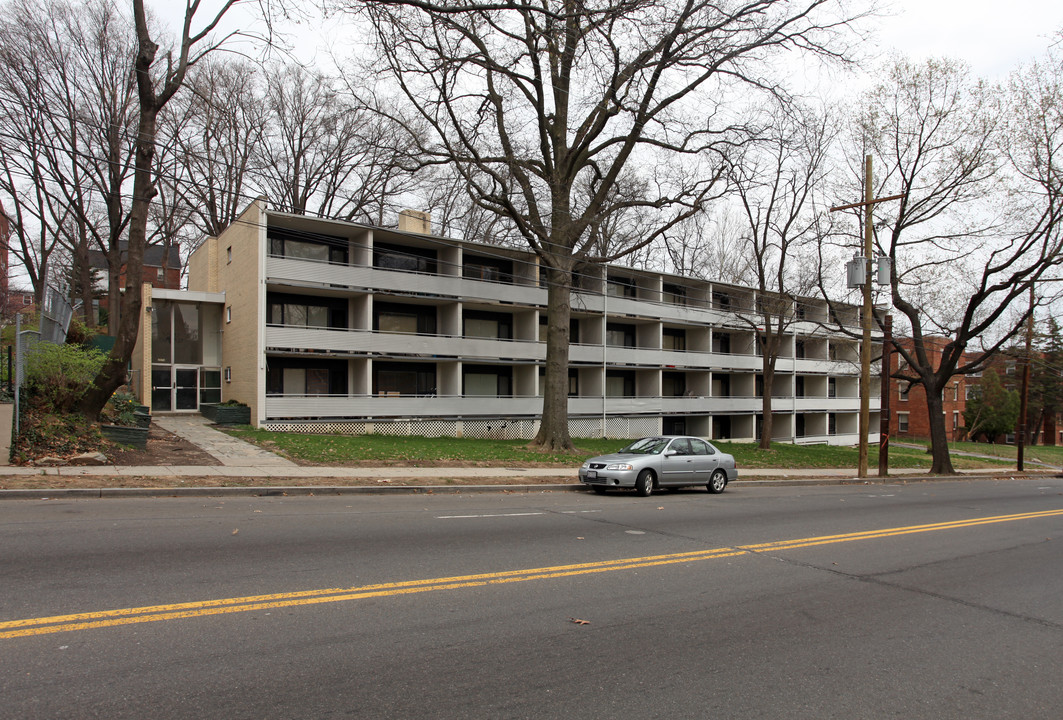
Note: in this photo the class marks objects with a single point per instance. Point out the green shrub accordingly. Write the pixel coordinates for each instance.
(120, 409)
(58, 375)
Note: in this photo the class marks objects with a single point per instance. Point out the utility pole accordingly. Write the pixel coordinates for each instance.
(866, 316)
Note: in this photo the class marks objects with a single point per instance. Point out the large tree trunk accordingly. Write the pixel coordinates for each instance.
(113, 373)
(553, 428)
(939, 441)
(766, 423)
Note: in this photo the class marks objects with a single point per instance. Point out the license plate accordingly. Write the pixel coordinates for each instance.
(592, 475)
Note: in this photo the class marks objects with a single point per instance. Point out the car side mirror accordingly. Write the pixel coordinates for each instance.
(670, 453)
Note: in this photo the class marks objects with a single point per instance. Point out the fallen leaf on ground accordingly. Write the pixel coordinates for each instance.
(577, 621)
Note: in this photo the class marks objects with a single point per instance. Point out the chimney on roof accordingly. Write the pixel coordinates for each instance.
(415, 221)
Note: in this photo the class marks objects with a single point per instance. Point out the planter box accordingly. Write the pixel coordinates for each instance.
(143, 419)
(226, 414)
(133, 436)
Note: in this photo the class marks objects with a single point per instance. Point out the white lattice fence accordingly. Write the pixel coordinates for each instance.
(585, 427)
(498, 429)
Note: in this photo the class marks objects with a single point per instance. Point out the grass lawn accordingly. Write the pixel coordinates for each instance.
(415, 451)
(1052, 455)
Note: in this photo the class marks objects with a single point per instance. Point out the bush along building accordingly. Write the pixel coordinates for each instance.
(329, 326)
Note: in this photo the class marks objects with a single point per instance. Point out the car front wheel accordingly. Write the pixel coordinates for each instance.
(644, 483)
(717, 482)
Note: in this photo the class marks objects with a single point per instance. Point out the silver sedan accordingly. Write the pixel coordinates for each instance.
(661, 461)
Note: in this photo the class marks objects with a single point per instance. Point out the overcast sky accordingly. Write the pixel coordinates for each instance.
(992, 36)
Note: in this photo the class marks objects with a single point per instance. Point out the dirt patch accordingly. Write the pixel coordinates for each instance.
(163, 448)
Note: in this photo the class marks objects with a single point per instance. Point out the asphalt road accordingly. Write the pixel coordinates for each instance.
(937, 600)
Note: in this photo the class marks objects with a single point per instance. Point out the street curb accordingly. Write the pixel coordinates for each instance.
(315, 490)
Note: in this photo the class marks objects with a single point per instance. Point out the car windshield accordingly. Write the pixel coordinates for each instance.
(647, 446)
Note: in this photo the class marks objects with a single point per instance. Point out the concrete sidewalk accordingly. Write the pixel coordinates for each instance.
(239, 459)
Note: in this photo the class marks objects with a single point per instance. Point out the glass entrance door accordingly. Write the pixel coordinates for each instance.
(186, 388)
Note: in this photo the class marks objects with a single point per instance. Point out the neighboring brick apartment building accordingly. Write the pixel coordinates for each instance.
(909, 416)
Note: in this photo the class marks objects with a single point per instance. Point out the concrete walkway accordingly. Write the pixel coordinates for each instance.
(227, 450)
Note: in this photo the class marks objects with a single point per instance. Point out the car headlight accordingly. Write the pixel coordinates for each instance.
(620, 466)
(586, 465)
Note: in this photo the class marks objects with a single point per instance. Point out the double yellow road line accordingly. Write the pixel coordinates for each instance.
(155, 613)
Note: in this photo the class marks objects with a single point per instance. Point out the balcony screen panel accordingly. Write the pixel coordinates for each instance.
(294, 381)
(475, 327)
(390, 322)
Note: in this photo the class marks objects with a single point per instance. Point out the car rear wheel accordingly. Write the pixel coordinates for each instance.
(717, 482)
(644, 483)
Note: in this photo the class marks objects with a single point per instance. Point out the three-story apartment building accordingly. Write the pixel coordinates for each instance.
(330, 326)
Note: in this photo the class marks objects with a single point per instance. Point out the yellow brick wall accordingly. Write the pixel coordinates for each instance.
(203, 266)
(140, 362)
(238, 253)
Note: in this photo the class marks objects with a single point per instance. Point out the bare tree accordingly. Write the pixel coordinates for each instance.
(326, 153)
(69, 76)
(156, 86)
(218, 129)
(560, 115)
(775, 181)
(704, 246)
(972, 231)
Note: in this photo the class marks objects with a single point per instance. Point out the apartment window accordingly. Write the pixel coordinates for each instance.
(758, 386)
(491, 269)
(573, 382)
(799, 349)
(721, 301)
(228, 313)
(902, 422)
(487, 380)
(721, 343)
(408, 259)
(832, 423)
(228, 254)
(621, 287)
(396, 378)
(800, 312)
(304, 311)
(903, 388)
(832, 387)
(799, 425)
(306, 377)
(304, 246)
(673, 384)
(228, 374)
(398, 318)
(573, 329)
(675, 294)
(674, 339)
(955, 392)
(955, 420)
(799, 386)
(620, 383)
(488, 325)
(619, 335)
